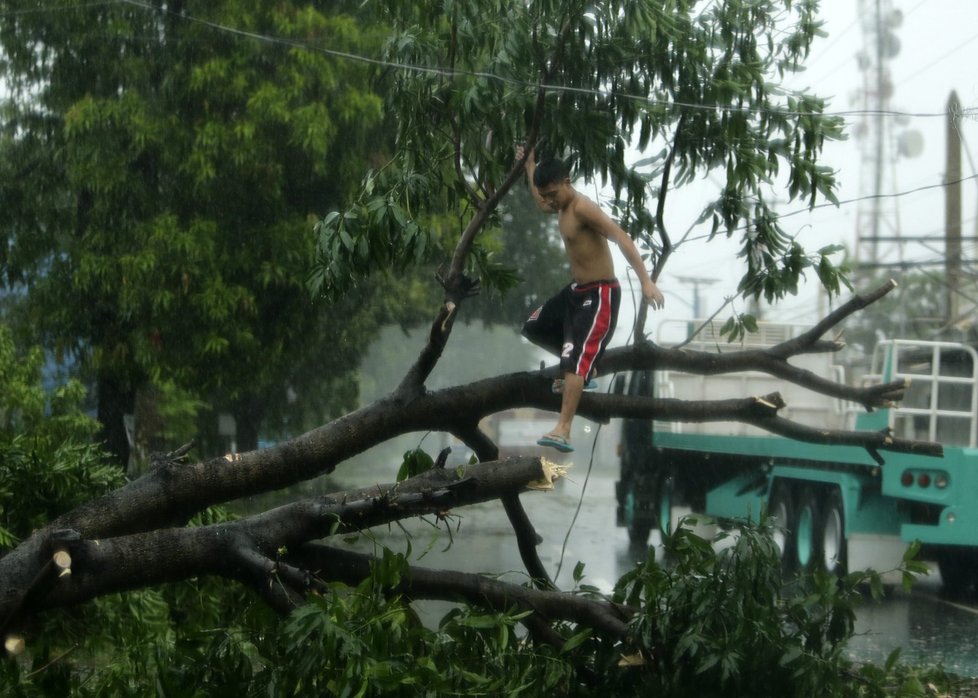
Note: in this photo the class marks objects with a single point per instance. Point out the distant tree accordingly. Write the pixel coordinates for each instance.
(161, 179)
(582, 82)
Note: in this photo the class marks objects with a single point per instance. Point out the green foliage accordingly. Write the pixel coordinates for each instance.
(380, 231)
(46, 446)
(415, 462)
(365, 641)
(25, 407)
(715, 619)
(721, 620)
(58, 478)
(471, 79)
(164, 176)
(48, 466)
(737, 326)
(774, 277)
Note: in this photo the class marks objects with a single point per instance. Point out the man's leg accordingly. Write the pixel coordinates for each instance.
(545, 327)
(559, 436)
(573, 387)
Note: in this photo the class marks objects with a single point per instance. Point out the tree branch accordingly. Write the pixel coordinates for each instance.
(421, 583)
(478, 221)
(457, 286)
(660, 224)
(805, 341)
(174, 492)
(412, 384)
(773, 360)
(248, 549)
(527, 538)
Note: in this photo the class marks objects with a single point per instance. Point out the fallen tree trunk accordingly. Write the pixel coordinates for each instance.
(136, 535)
(74, 568)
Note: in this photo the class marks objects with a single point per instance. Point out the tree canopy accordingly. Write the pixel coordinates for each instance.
(694, 87)
(162, 175)
(220, 122)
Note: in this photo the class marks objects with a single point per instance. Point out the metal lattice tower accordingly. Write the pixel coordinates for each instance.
(878, 240)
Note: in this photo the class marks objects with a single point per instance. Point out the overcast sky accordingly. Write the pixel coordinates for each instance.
(938, 53)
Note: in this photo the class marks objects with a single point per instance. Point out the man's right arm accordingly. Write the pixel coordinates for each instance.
(530, 166)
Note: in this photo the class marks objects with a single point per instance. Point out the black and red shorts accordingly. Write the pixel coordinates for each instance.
(577, 324)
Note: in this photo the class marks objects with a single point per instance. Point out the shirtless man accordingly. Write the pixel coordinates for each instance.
(577, 323)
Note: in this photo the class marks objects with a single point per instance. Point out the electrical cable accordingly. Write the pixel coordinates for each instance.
(746, 226)
(944, 56)
(451, 72)
(580, 502)
(594, 442)
(57, 8)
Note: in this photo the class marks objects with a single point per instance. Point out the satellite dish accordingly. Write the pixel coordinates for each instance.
(910, 144)
(889, 45)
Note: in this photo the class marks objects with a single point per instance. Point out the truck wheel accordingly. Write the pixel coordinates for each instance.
(667, 486)
(638, 526)
(638, 534)
(835, 552)
(807, 544)
(959, 572)
(781, 509)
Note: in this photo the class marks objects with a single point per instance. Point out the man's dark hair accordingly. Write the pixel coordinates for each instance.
(549, 172)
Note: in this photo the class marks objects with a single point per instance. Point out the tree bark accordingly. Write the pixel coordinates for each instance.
(71, 568)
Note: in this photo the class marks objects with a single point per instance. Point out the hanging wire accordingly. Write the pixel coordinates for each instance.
(453, 72)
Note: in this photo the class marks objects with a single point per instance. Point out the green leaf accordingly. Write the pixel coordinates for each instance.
(575, 641)
(414, 463)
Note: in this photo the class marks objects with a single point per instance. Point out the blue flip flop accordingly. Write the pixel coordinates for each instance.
(558, 386)
(556, 441)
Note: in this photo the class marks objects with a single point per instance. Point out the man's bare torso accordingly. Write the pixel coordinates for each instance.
(587, 249)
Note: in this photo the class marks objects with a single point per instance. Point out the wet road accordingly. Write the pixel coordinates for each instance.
(482, 540)
(929, 630)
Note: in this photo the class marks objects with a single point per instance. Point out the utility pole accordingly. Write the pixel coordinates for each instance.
(696, 282)
(952, 209)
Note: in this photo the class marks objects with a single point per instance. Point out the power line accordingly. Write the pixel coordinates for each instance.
(452, 72)
(939, 59)
(894, 195)
(57, 8)
(843, 202)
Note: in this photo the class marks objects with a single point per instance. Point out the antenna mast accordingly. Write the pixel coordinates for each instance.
(878, 240)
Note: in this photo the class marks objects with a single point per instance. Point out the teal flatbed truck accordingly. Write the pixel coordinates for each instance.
(837, 507)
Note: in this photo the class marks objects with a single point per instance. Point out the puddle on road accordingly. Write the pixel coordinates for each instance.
(928, 630)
